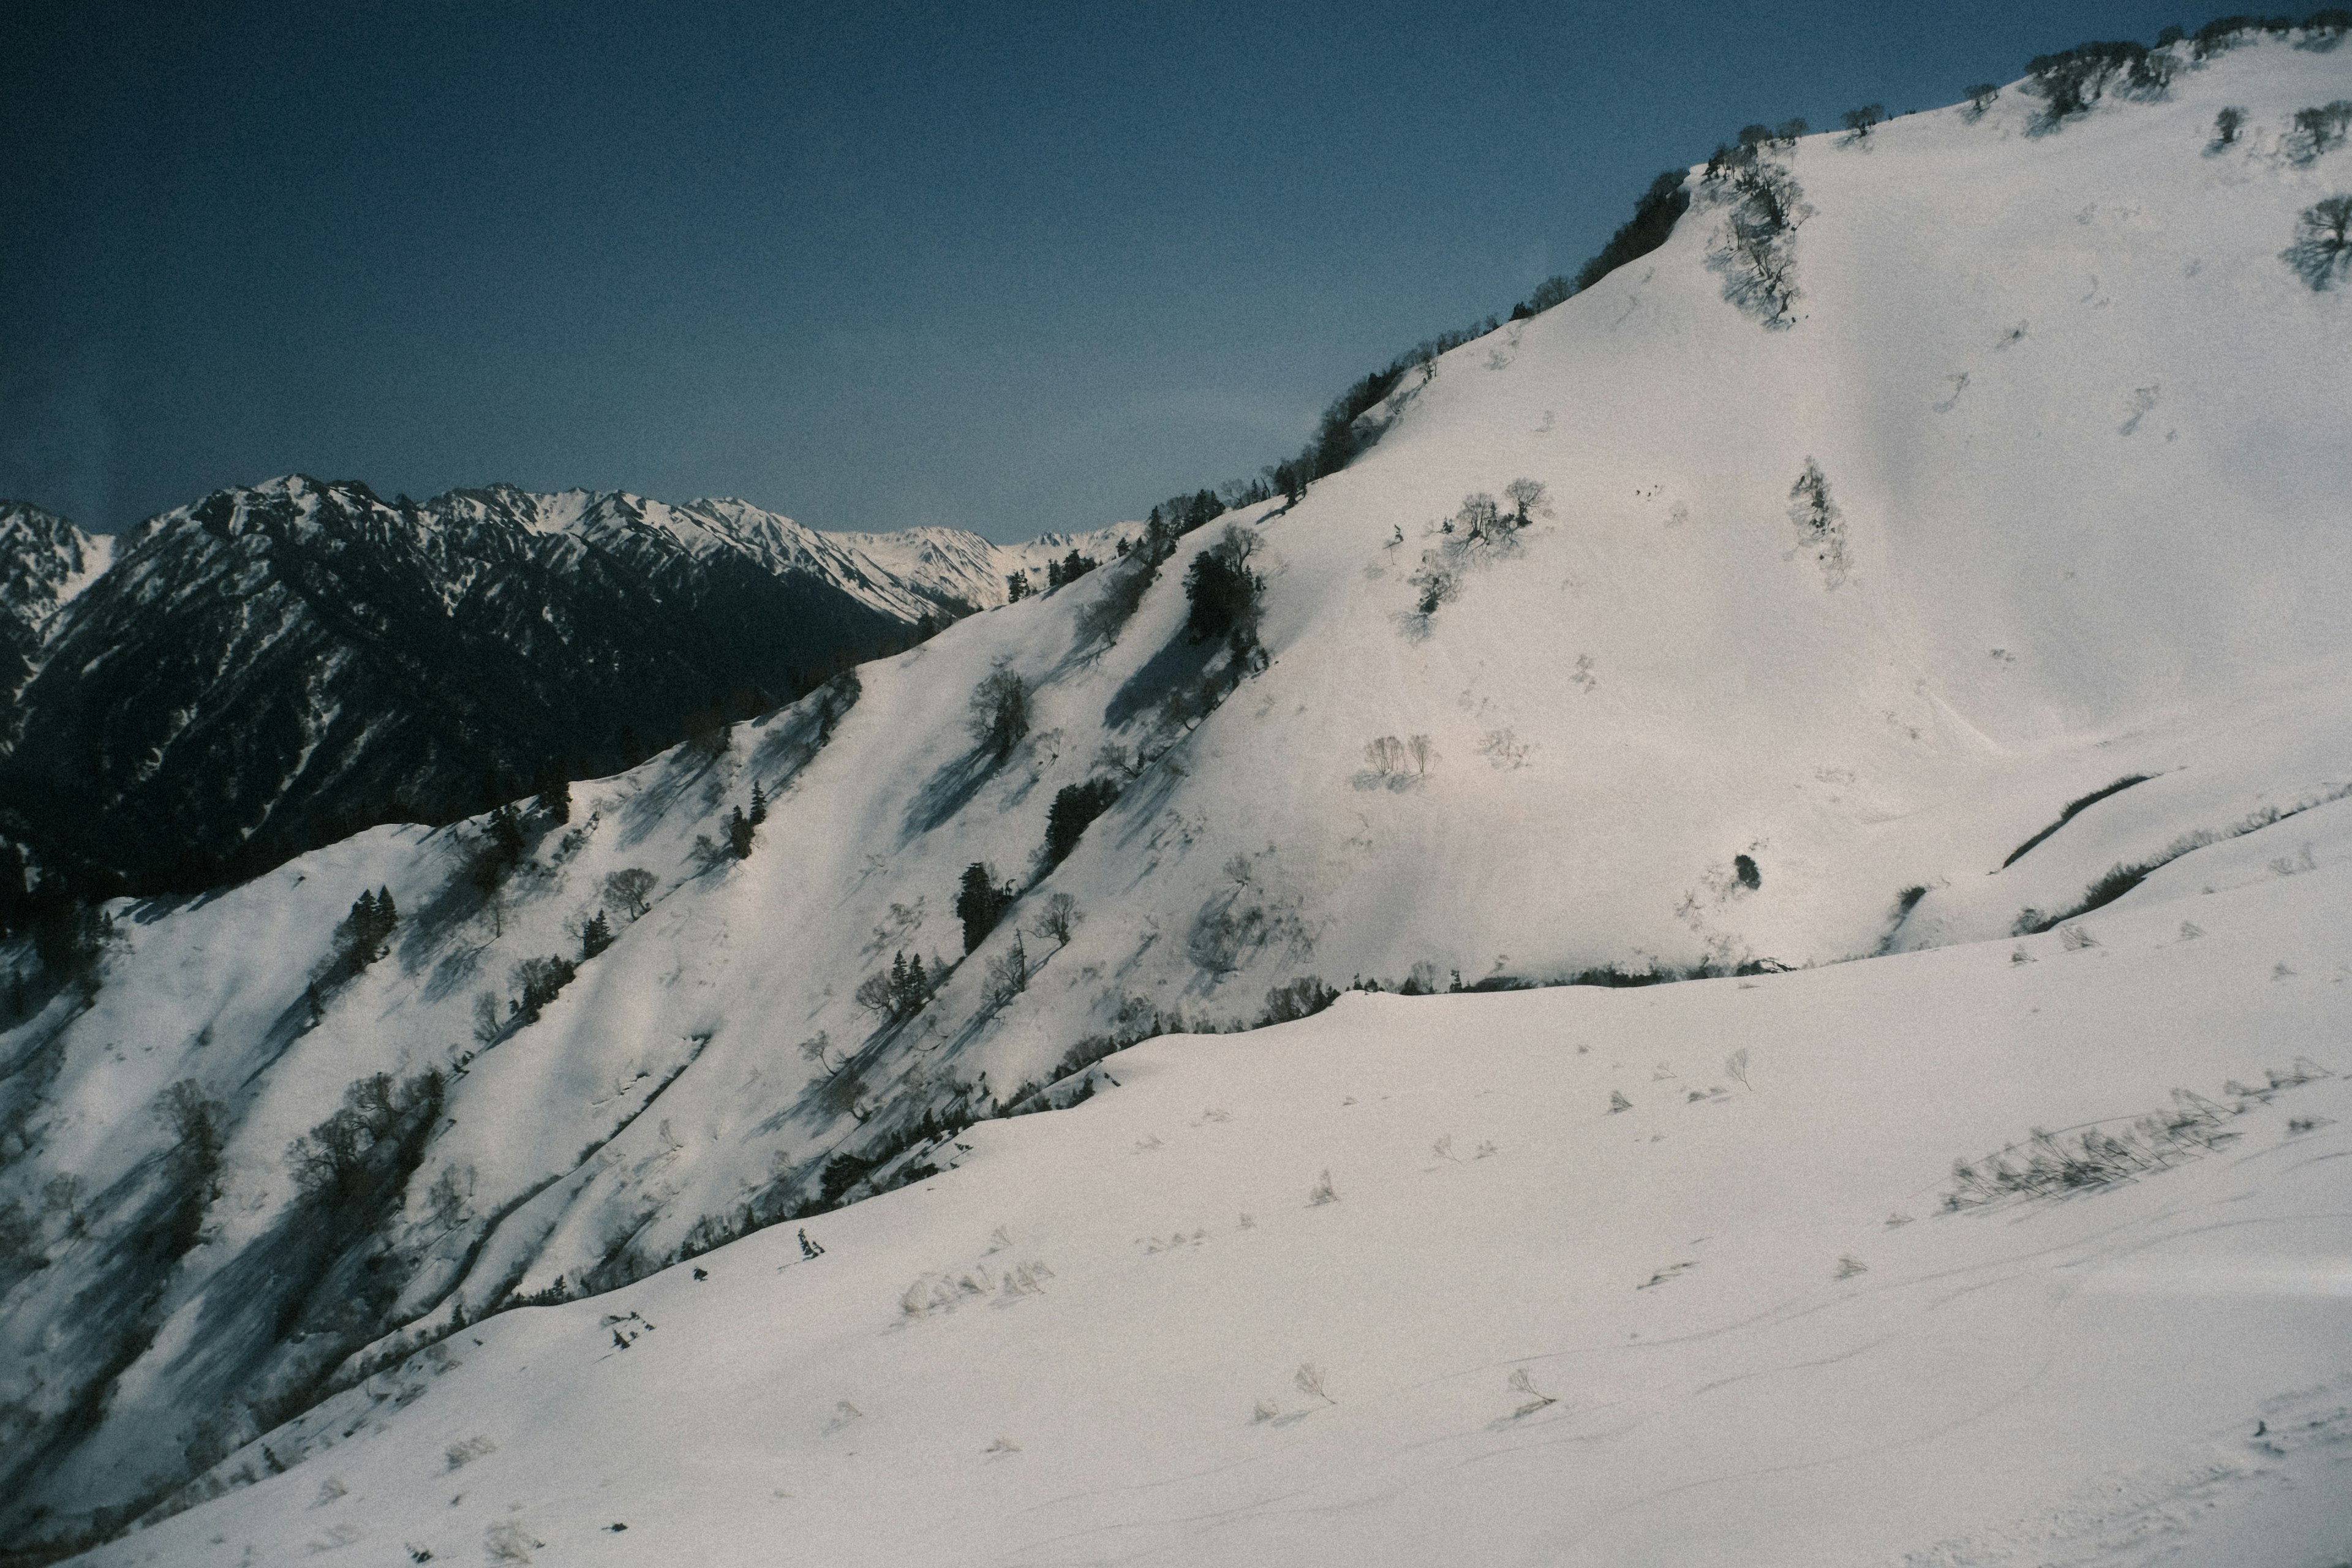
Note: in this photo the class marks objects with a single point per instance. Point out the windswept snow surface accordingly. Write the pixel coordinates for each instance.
(1728, 1325)
(2083, 431)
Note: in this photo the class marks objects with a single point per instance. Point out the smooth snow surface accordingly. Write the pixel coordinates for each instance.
(1085, 1345)
(2084, 431)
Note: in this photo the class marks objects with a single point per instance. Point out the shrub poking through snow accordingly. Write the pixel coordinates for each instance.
(1821, 528)
(1308, 1380)
(1980, 97)
(1000, 713)
(1008, 975)
(2322, 251)
(2317, 131)
(1057, 918)
(1756, 249)
(2072, 80)
(2049, 1165)
(1858, 122)
(2226, 126)
(628, 891)
(1521, 1384)
(537, 980)
(1322, 1192)
(1300, 998)
(894, 994)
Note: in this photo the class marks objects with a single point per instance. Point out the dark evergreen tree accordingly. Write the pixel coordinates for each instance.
(554, 801)
(1222, 589)
(740, 833)
(595, 936)
(1074, 805)
(981, 902)
(759, 813)
(506, 835)
(911, 987)
(16, 890)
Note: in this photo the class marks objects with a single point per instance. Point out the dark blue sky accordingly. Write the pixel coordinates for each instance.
(869, 265)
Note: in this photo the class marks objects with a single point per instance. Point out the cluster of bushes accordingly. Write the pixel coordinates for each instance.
(1223, 592)
(2225, 32)
(1074, 806)
(2322, 251)
(2071, 80)
(741, 831)
(1300, 998)
(629, 891)
(361, 1153)
(360, 940)
(999, 713)
(1820, 530)
(500, 849)
(897, 993)
(2318, 131)
(1858, 122)
(538, 982)
(1756, 250)
(1068, 569)
(2045, 1166)
(981, 902)
(1479, 532)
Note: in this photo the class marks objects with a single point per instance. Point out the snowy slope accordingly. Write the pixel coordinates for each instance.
(2081, 427)
(1731, 1325)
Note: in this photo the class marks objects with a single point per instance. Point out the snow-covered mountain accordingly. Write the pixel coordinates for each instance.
(273, 667)
(1925, 487)
(45, 561)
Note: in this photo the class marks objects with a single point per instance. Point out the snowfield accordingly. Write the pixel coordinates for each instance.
(1538, 1330)
(2079, 437)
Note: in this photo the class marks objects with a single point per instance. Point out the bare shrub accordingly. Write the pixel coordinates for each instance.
(1503, 749)
(1057, 918)
(999, 713)
(1821, 528)
(2322, 251)
(628, 892)
(1008, 974)
(2317, 132)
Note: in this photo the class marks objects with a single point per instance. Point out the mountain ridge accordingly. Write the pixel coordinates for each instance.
(152, 686)
(1850, 554)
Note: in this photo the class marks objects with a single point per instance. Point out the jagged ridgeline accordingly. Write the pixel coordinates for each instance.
(1802, 590)
(278, 667)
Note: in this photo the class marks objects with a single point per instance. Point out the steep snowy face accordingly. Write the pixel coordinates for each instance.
(275, 665)
(1762, 604)
(45, 561)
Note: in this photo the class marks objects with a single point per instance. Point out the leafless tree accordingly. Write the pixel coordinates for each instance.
(2321, 250)
(1059, 918)
(628, 891)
